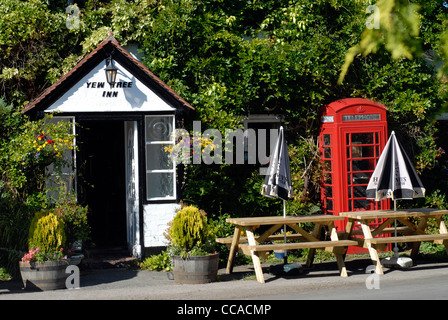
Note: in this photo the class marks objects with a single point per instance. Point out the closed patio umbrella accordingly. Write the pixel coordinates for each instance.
(277, 183)
(394, 177)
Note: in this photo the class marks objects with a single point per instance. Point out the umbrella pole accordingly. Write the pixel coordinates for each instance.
(285, 257)
(395, 225)
(402, 262)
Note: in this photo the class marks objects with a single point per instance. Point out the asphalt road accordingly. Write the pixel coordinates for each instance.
(424, 281)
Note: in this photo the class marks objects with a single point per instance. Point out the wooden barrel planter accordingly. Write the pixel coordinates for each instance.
(48, 275)
(196, 270)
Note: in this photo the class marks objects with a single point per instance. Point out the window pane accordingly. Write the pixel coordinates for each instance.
(157, 158)
(327, 153)
(361, 178)
(159, 128)
(159, 185)
(361, 165)
(362, 151)
(359, 192)
(361, 203)
(327, 140)
(329, 204)
(328, 191)
(362, 138)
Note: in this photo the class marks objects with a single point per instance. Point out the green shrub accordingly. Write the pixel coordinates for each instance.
(46, 231)
(189, 228)
(4, 275)
(159, 262)
(75, 219)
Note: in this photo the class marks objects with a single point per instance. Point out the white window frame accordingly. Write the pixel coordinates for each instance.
(173, 165)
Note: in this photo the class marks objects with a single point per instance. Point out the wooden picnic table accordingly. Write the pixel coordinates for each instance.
(413, 230)
(256, 246)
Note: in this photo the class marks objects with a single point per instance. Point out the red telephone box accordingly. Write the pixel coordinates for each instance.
(352, 135)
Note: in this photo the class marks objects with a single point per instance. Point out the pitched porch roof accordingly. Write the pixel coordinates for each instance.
(90, 61)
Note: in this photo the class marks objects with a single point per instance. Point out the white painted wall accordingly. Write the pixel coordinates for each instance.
(155, 223)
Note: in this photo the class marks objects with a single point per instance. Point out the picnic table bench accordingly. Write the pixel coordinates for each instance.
(413, 231)
(256, 246)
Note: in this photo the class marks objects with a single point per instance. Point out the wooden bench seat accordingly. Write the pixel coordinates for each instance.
(404, 230)
(299, 245)
(410, 238)
(276, 237)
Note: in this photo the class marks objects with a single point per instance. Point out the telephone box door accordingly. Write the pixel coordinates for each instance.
(362, 151)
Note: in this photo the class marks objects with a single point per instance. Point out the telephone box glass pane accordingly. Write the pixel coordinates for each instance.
(362, 151)
(359, 191)
(329, 204)
(361, 165)
(328, 191)
(327, 153)
(360, 178)
(362, 138)
(360, 203)
(327, 140)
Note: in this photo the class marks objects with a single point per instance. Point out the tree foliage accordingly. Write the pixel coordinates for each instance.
(406, 30)
(234, 58)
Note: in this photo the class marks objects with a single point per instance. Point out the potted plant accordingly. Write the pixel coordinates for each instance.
(43, 266)
(192, 248)
(77, 229)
